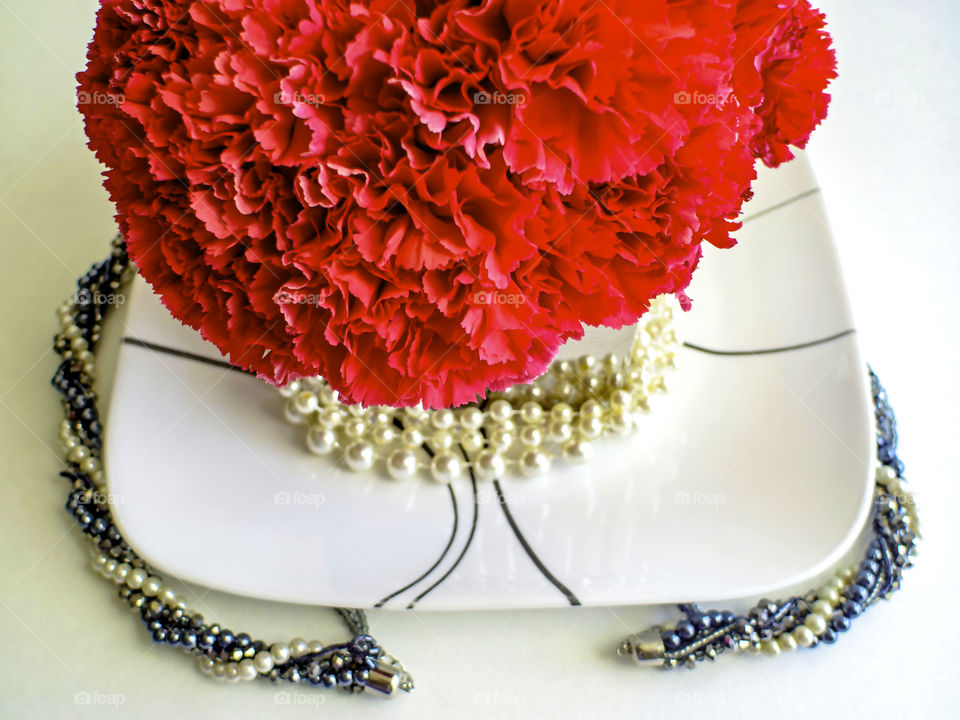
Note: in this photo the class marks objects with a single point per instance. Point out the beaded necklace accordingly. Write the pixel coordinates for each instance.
(770, 627)
(519, 430)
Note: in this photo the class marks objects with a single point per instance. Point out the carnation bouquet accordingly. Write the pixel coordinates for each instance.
(421, 201)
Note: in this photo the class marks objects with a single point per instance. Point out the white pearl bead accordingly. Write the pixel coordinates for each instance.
(411, 437)
(445, 467)
(280, 653)
(530, 436)
(621, 399)
(377, 416)
(822, 607)
(292, 415)
(489, 465)
(845, 573)
(500, 410)
(770, 647)
(263, 661)
(330, 417)
(383, 434)
(559, 431)
(231, 673)
(534, 462)
(886, 474)
(834, 582)
(508, 425)
(355, 428)
(291, 388)
(314, 646)
(321, 441)
(443, 419)
(90, 465)
(151, 586)
(564, 390)
(205, 664)
(501, 439)
(167, 596)
(577, 451)
(531, 413)
(620, 421)
(441, 440)
(136, 578)
(471, 418)
(78, 453)
(804, 636)
(829, 594)
(561, 412)
(305, 402)
(586, 363)
(402, 464)
(247, 669)
(591, 409)
(787, 643)
(472, 441)
(816, 623)
(121, 572)
(218, 669)
(298, 647)
(109, 566)
(591, 427)
(359, 455)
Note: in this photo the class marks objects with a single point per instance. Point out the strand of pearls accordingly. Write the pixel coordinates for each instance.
(519, 430)
(357, 665)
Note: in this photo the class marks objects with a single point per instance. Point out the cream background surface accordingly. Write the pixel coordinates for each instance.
(888, 165)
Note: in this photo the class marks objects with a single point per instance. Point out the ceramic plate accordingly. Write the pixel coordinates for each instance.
(752, 474)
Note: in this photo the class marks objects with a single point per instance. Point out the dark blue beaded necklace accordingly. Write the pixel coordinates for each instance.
(361, 663)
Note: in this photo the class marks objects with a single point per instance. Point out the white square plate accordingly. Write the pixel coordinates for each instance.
(753, 473)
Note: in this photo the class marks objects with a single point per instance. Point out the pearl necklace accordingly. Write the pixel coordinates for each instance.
(770, 628)
(519, 430)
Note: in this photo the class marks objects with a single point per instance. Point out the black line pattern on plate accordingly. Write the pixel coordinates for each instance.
(779, 205)
(137, 342)
(567, 593)
(473, 530)
(421, 578)
(769, 351)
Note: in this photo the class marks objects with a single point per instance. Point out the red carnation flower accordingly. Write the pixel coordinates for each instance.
(423, 201)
